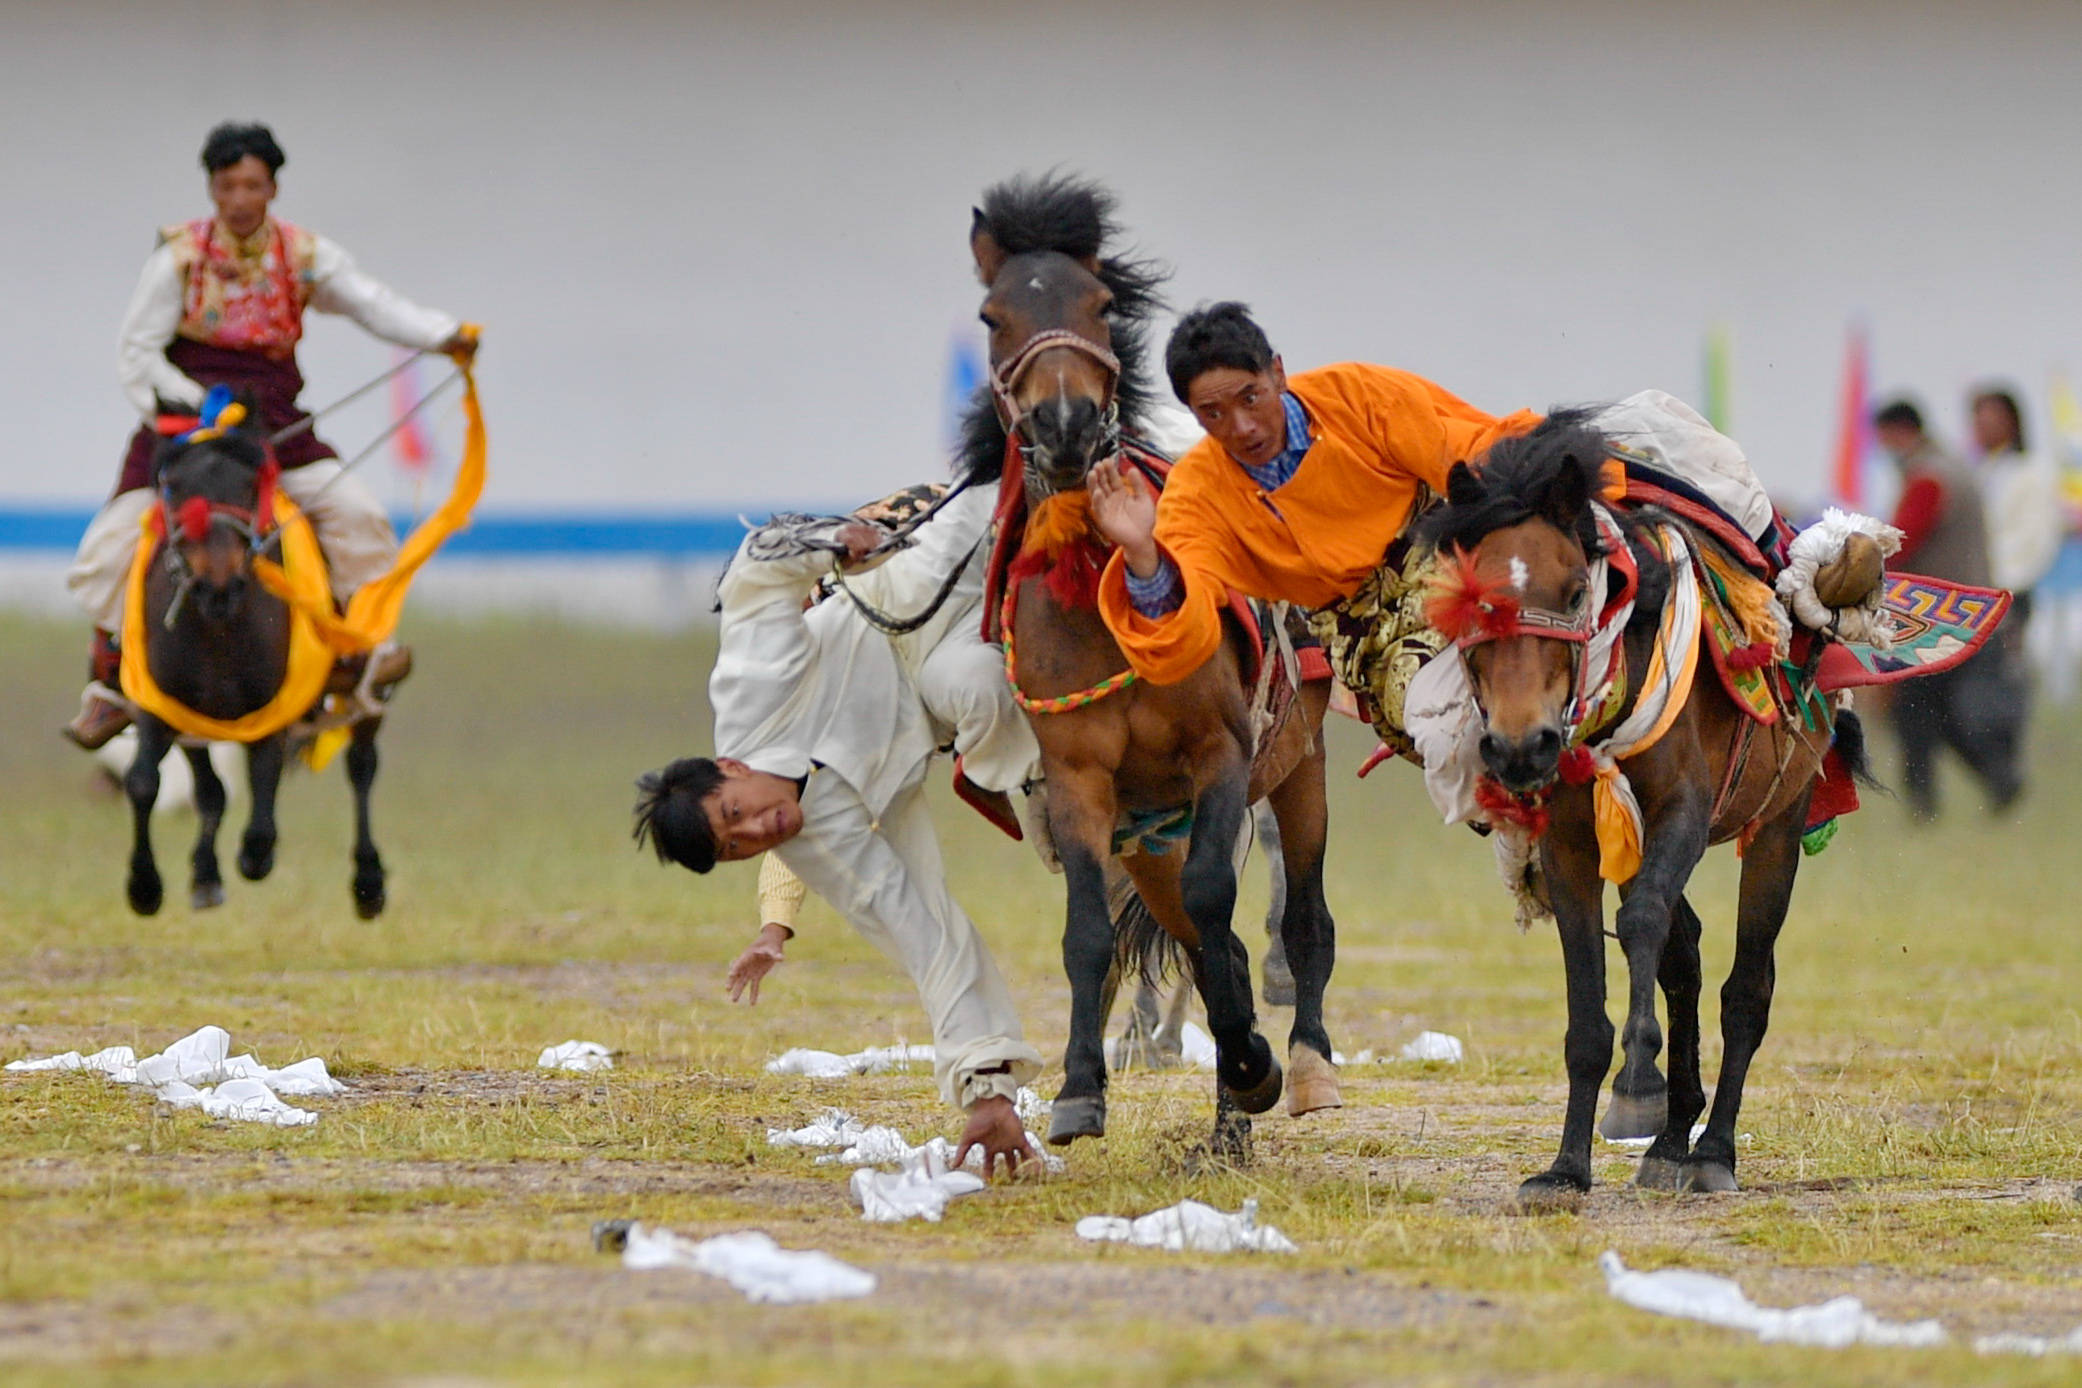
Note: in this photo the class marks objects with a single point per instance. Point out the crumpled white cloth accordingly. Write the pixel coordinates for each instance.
(919, 1188)
(245, 1089)
(576, 1055)
(1701, 1296)
(830, 1065)
(1189, 1226)
(2034, 1345)
(750, 1262)
(1643, 1142)
(1428, 1045)
(834, 1127)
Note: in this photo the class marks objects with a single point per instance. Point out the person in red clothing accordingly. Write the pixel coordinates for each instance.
(1944, 535)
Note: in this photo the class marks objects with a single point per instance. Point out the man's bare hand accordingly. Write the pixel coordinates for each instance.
(756, 962)
(1125, 510)
(462, 344)
(861, 539)
(996, 1128)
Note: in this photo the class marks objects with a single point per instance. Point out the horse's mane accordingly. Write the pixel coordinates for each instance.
(1551, 473)
(239, 447)
(1073, 216)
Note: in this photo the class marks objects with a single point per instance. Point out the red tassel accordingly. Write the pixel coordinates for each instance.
(1751, 657)
(264, 504)
(194, 518)
(1579, 766)
(1072, 574)
(1463, 607)
(1529, 812)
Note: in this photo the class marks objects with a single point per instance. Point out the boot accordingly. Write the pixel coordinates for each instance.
(993, 805)
(392, 663)
(103, 712)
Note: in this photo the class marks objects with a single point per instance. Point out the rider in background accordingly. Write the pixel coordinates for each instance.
(222, 300)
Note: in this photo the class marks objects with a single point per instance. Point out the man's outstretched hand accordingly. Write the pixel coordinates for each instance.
(757, 961)
(997, 1129)
(1125, 510)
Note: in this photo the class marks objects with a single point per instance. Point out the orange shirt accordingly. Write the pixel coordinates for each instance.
(1377, 433)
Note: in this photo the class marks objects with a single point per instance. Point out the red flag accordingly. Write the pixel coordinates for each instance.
(410, 445)
(1854, 423)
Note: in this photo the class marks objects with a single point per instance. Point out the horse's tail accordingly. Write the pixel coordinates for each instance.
(1850, 745)
(1142, 949)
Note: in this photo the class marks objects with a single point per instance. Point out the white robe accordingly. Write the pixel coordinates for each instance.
(822, 694)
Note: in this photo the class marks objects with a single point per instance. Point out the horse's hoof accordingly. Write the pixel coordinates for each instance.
(1627, 1116)
(1707, 1178)
(203, 895)
(146, 895)
(369, 905)
(1228, 1147)
(1548, 1193)
(1266, 1092)
(1279, 983)
(1659, 1173)
(256, 861)
(1072, 1118)
(1311, 1081)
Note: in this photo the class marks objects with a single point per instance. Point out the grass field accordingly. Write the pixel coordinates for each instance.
(1913, 1112)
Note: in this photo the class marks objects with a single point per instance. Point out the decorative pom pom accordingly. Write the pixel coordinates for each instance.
(194, 517)
(1463, 607)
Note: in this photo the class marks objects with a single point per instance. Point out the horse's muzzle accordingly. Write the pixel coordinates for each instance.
(220, 603)
(1525, 763)
(1065, 436)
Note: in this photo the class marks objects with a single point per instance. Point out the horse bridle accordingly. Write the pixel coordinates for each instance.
(193, 520)
(1006, 376)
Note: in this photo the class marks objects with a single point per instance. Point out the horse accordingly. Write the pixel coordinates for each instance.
(219, 642)
(1124, 759)
(1532, 564)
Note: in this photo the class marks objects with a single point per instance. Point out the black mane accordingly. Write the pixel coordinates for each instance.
(1551, 474)
(1072, 216)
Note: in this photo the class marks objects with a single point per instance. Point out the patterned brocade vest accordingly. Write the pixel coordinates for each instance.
(246, 295)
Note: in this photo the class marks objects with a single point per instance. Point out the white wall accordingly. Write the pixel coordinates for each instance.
(720, 248)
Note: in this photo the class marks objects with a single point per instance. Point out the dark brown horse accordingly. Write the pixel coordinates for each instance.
(1160, 774)
(218, 642)
(1521, 606)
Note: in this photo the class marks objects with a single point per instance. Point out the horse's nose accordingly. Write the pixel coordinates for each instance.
(1067, 432)
(1523, 763)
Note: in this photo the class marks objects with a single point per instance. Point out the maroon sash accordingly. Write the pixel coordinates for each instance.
(273, 383)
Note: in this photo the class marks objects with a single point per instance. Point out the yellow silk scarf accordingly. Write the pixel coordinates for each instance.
(316, 632)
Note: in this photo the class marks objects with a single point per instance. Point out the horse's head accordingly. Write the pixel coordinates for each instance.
(1065, 324)
(216, 499)
(1516, 542)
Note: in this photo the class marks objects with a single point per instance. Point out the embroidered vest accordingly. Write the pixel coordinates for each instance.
(248, 295)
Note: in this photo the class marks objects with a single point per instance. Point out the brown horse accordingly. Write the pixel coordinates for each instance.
(1132, 768)
(1519, 537)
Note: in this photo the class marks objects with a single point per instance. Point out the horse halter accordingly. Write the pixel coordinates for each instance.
(1006, 376)
(193, 519)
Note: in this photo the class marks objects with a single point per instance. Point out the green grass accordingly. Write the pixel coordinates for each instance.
(1912, 1114)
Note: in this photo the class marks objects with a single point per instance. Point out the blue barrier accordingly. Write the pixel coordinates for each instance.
(685, 535)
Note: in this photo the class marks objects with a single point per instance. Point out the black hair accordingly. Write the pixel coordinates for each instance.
(233, 140)
(670, 815)
(1211, 336)
(2008, 400)
(1898, 414)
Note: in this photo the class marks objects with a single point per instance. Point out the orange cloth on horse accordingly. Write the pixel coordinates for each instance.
(1380, 434)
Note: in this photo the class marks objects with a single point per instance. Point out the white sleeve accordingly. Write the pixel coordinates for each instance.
(886, 880)
(338, 285)
(764, 653)
(149, 325)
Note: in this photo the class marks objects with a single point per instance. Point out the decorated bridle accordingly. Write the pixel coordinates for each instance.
(1006, 376)
(193, 518)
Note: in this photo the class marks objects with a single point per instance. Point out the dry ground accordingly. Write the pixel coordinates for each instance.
(1912, 1117)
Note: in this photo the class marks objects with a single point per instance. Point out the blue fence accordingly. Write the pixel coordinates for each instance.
(689, 535)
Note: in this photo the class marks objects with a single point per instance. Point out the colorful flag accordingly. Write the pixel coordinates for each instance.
(1716, 366)
(2067, 444)
(1854, 423)
(411, 445)
(965, 371)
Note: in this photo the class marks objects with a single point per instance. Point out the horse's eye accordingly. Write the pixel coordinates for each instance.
(987, 321)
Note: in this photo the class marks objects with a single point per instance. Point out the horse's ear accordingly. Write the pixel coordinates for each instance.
(1463, 488)
(990, 256)
(1569, 493)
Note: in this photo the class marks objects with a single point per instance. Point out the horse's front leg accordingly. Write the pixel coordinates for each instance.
(1661, 1165)
(368, 864)
(205, 880)
(1243, 1061)
(1673, 841)
(1768, 870)
(1574, 889)
(263, 776)
(1080, 817)
(1278, 982)
(141, 785)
